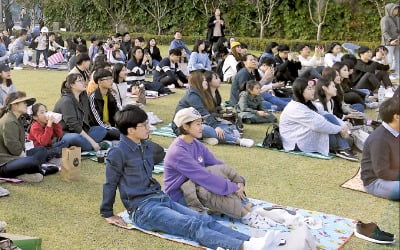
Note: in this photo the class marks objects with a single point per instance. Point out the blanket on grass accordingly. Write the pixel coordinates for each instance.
(165, 131)
(355, 182)
(335, 231)
(312, 155)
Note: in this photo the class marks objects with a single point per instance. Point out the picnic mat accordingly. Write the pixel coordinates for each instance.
(335, 231)
(165, 131)
(11, 180)
(355, 182)
(312, 155)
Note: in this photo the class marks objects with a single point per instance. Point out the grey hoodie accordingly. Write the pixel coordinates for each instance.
(390, 25)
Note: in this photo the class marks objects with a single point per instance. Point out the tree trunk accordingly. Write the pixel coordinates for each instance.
(159, 26)
(319, 31)
(261, 31)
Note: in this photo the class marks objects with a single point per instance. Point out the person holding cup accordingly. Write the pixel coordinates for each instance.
(46, 130)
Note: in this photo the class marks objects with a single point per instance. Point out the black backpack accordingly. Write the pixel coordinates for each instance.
(273, 138)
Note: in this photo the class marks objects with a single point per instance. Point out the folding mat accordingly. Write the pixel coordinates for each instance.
(165, 131)
(333, 234)
(355, 182)
(312, 155)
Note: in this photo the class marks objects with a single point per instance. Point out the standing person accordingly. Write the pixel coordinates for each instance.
(9, 20)
(216, 26)
(6, 84)
(15, 161)
(42, 46)
(199, 58)
(75, 115)
(154, 51)
(380, 163)
(390, 28)
(17, 51)
(177, 42)
(25, 19)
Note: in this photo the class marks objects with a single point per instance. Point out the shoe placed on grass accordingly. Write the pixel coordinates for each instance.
(30, 177)
(246, 142)
(4, 192)
(104, 145)
(371, 232)
(372, 105)
(211, 141)
(18, 68)
(347, 154)
(50, 169)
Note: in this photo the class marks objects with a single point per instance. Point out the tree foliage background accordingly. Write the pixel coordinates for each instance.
(352, 20)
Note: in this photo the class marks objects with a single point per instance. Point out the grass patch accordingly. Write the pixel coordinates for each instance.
(66, 215)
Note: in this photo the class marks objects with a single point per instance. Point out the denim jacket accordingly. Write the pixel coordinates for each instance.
(129, 167)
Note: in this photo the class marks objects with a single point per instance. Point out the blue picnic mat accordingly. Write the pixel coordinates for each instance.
(312, 155)
(165, 131)
(335, 231)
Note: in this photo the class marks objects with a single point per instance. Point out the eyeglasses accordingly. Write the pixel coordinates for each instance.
(146, 124)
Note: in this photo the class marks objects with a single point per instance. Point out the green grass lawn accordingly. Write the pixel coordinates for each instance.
(66, 215)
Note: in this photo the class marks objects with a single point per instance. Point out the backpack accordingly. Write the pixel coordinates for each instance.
(218, 70)
(273, 138)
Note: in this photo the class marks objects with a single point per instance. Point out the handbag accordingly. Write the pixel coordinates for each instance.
(71, 163)
(273, 138)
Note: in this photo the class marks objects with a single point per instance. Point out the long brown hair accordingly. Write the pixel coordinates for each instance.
(196, 81)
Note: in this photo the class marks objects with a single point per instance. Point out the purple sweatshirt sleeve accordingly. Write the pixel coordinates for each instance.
(189, 166)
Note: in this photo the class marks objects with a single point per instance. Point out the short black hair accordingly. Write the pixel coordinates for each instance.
(389, 108)
(283, 47)
(52, 34)
(81, 58)
(100, 73)
(176, 52)
(140, 39)
(81, 48)
(251, 84)
(362, 50)
(268, 61)
(23, 32)
(129, 117)
(301, 47)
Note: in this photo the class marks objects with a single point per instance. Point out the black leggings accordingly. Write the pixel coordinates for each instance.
(372, 81)
(30, 164)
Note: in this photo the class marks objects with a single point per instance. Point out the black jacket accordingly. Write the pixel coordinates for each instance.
(362, 67)
(211, 26)
(286, 70)
(75, 115)
(96, 109)
(156, 55)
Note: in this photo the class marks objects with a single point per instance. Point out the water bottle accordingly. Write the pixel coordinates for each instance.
(381, 94)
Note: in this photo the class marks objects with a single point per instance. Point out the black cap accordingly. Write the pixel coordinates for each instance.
(4, 67)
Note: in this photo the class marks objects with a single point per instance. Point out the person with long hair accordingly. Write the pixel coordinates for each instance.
(137, 66)
(75, 116)
(120, 72)
(220, 49)
(6, 83)
(214, 131)
(333, 54)
(216, 26)
(199, 58)
(303, 128)
(15, 160)
(154, 51)
(229, 68)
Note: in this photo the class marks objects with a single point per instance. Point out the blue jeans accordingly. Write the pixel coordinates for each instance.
(384, 189)
(336, 142)
(273, 100)
(30, 164)
(97, 133)
(155, 63)
(38, 52)
(230, 137)
(16, 58)
(358, 106)
(162, 214)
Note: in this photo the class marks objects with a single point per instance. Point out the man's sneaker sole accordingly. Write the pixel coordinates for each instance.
(361, 236)
(346, 157)
(211, 141)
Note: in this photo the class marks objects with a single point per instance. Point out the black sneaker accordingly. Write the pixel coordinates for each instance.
(48, 170)
(371, 232)
(347, 154)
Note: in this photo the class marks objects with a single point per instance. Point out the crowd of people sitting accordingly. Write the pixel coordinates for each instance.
(321, 96)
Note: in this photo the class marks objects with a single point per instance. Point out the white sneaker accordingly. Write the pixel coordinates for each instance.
(246, 142)
(270, 240)
(30, 177)
(4, 192)
(18, 68)
(211, 141)
(389, 93)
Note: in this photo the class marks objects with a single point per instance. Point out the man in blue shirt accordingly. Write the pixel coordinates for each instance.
(177, 42)
(129, 167)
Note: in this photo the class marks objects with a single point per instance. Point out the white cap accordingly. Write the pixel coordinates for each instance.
(44, 30)
(187, 115)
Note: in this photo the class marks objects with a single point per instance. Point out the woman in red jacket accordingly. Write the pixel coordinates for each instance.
(44, 131)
